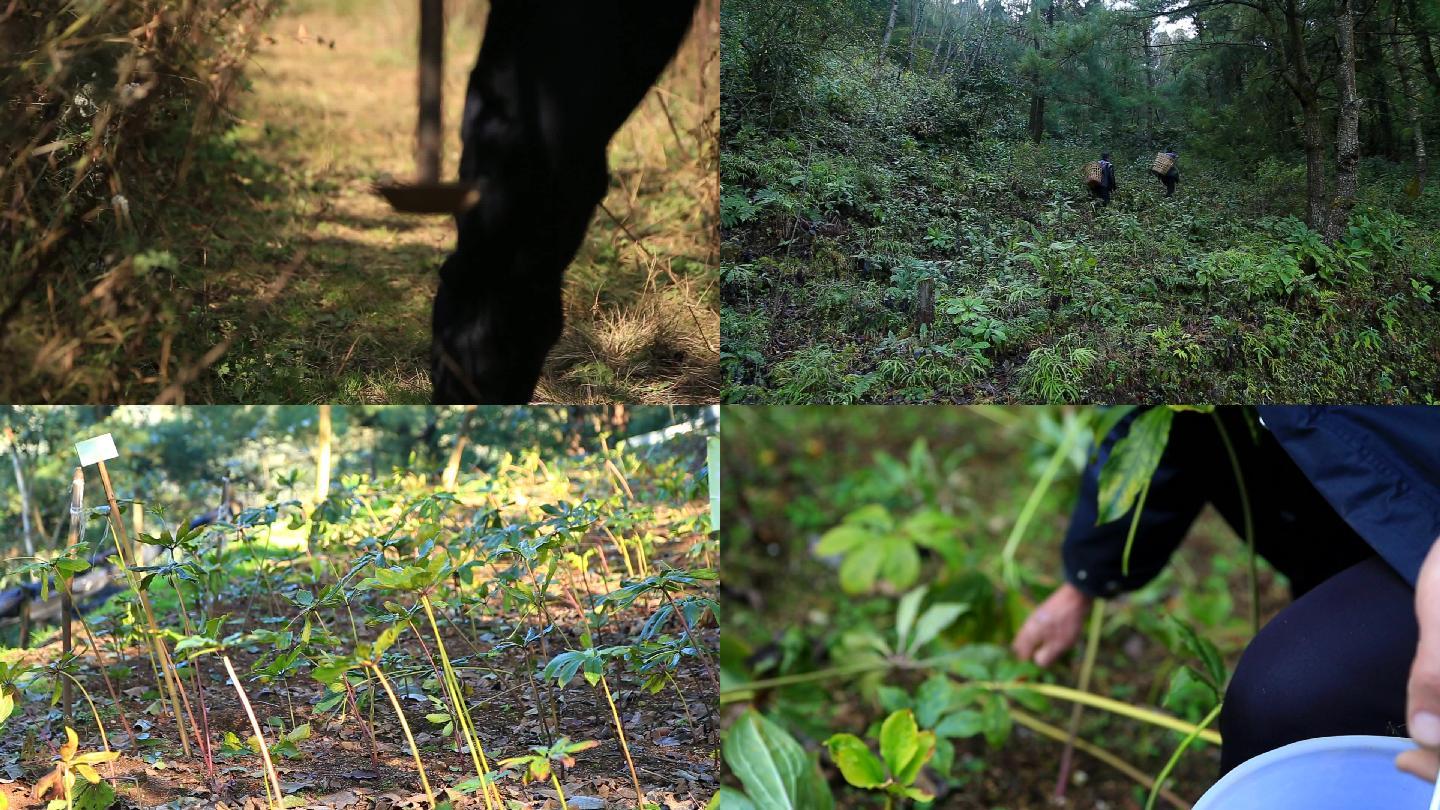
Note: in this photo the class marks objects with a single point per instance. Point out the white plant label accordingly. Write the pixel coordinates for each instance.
(98, 449)
(714, 464)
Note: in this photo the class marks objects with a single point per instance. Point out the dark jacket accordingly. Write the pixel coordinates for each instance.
(1328, 487)
(1107, 174)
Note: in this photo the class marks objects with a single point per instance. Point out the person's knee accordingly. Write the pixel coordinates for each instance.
(1269, 702)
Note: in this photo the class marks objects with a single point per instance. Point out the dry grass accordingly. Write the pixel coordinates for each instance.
(109, 106)
(331, 112)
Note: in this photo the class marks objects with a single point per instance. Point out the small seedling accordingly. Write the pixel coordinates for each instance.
(904, 750)
(538, 762)
(95, 794)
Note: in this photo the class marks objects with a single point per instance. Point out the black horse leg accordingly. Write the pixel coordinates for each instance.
(552, 85)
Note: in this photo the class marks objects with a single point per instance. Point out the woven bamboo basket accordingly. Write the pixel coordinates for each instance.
(1092, 174)
(1163, 163)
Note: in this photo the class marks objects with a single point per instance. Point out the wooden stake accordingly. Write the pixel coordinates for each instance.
(162, 653)
(432, 67)
(67, 607)
(924, 302)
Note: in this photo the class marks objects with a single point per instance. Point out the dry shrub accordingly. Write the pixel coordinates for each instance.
(105, 105)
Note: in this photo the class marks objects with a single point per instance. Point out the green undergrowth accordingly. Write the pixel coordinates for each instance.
(1220, 293)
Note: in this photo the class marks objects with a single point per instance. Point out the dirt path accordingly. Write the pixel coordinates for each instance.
(332, 110)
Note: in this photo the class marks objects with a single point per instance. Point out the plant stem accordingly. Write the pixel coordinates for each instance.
(1108, 704)
(1087, 666)
(104, 740)
(689, 718)
(1032, 503)
(1041, 727)
(1249, 522)
(404, 726)
(620, 547)
(109, 686)
(1134, 524)
(369, 732)
(462, 713)
(559, 791)
(620, 729)
(742, 691)
(274, 778)
(1175, 757)
(690, 635)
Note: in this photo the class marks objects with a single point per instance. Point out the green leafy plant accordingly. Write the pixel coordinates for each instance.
(904, 750)
(773, 768)
(94, 794)
(538, 763)
(876, 547)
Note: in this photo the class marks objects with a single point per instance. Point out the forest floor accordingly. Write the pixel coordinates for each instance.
(1219, 294)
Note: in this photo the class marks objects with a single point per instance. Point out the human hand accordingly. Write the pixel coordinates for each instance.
(1055, 626)
(1422, 697)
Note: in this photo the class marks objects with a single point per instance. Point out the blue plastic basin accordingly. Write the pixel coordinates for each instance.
(1326, 773)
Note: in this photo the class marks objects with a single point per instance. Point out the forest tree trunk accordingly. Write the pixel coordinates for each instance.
(1412, 105)
(885, 41)
(24, 491)
(1147, 110)
(915, 33)
(1302, 84)
(939, 41)
(1037, 95)
(322, 456)
(1314, 165)
(1347, 136)
(1382, 135)
(950, 54)
(1422, 40)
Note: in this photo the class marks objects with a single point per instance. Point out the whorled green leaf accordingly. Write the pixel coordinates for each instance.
(905, 612)
(773, 767)
(902, 564)
(934, 621)
(859, 767)
(1203, 649)
(933, 699)
(997, 720)
(841, 539)
(1132, 462)
(924, 750)
(899, 739)
(861, 568)
(730, 799)
(1187, 689)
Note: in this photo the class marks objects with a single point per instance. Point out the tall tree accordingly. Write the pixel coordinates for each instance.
(1421, 29)
(1301, 81)
(939, 40)
(1037, 77)
(885, 40)
(916, 23)
(1411, 100)
(1347, 136)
